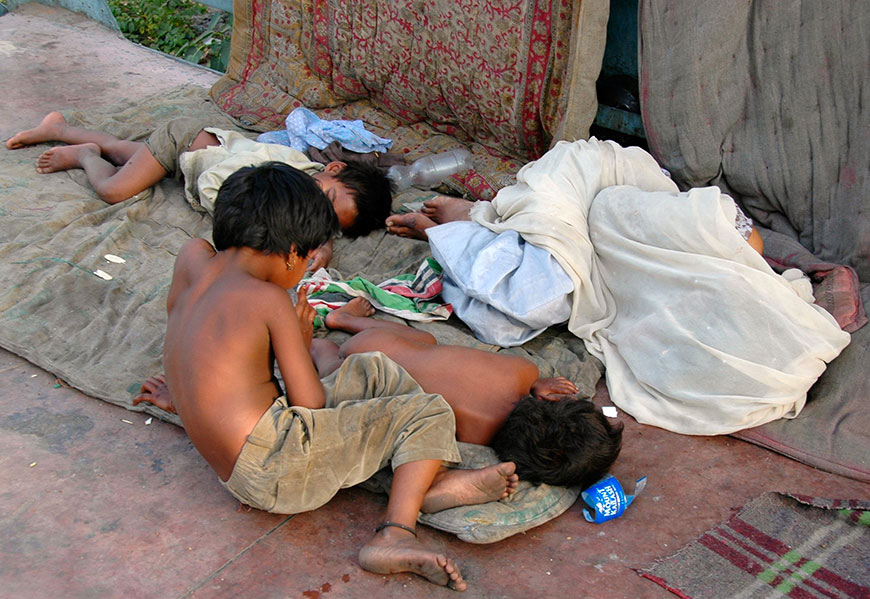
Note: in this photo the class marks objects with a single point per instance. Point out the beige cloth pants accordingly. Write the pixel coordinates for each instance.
(168, 141)
(297, 459)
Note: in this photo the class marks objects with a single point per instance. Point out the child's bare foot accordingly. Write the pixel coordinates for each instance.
(412, 225)
(156, 392)
(61, 158)
(454, 487)
(48, 130)
(553, 389)
(343, 318)
(394, 550)
(446, 209)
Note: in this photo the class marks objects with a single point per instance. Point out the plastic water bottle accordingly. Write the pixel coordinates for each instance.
(429, 171)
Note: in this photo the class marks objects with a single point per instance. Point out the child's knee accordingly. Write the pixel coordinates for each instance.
(112, 193)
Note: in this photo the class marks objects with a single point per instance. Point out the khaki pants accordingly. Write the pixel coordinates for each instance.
(168, 141)
(297, 459)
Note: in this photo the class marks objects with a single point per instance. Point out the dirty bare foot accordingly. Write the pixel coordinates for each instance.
(48, 130)
(454, 487)
(553, 389)
(412, 225)
(446, 209)
(393, 550)
(343, 318)
(61, 158)
(156, 392)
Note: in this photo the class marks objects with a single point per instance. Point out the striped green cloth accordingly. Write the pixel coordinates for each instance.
(408, 296)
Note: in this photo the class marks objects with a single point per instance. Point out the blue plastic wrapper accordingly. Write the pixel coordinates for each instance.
(607, 500)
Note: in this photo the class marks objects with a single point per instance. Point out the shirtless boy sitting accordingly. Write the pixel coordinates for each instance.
(231, 319)
(119, 169)
(552, 437)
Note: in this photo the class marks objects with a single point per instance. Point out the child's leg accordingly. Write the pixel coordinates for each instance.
(111, 183)
(55, 128)
(326, 357)
(354, 318)
(412, 225)
(447, 209)
(395, 547)
(424, 485)
(436, 211)
(203, 139)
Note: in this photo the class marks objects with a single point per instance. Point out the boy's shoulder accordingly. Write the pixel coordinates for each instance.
(193, 255)
(196, 247)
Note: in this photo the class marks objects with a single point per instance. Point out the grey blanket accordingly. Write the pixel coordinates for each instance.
(768, 101)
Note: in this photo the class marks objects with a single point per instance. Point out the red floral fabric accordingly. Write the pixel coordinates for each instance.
(487, 73)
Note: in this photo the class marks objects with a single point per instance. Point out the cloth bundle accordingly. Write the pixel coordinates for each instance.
(506, 290)
(303, 128)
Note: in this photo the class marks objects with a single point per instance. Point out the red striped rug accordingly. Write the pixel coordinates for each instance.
(777, 546)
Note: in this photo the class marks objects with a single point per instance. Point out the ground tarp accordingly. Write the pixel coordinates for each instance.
(99, 325)
(777, 545)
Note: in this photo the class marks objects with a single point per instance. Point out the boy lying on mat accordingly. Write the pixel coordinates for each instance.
(203, 157)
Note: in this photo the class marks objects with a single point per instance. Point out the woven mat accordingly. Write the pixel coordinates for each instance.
(777, 546)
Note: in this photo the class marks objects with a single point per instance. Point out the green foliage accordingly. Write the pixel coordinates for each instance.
(179, 27)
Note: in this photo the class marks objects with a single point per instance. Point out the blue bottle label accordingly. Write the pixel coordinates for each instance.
(607, 500)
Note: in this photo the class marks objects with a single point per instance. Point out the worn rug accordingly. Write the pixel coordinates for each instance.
(778, 545)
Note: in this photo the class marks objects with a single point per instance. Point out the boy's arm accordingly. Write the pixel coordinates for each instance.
(291, 342)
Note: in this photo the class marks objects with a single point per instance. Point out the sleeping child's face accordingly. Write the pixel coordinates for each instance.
(343, 198)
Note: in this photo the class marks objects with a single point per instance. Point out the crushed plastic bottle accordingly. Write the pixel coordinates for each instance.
(429, 171)
(607, 500)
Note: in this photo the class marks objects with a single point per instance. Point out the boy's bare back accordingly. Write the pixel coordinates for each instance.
(227, 324)
(481, 387)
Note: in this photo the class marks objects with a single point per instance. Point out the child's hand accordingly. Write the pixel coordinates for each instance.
(305, 314)
(320, 257)
(553, 389)
(156, 392)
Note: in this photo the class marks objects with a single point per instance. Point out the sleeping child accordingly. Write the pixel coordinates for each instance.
(697, 333)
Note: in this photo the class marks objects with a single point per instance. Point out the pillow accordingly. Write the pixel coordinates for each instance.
(528, 507)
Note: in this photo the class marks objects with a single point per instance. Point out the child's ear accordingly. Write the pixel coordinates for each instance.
(336, 166)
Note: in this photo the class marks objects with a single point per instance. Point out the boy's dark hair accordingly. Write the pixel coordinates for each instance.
(273, 208)
(568, 442)
(374, 196)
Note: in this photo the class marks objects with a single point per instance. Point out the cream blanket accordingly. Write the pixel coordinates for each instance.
(698, 334)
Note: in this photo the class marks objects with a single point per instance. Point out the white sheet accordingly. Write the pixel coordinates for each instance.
(549, 204)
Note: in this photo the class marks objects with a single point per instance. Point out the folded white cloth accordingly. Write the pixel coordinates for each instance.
(506, 290)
